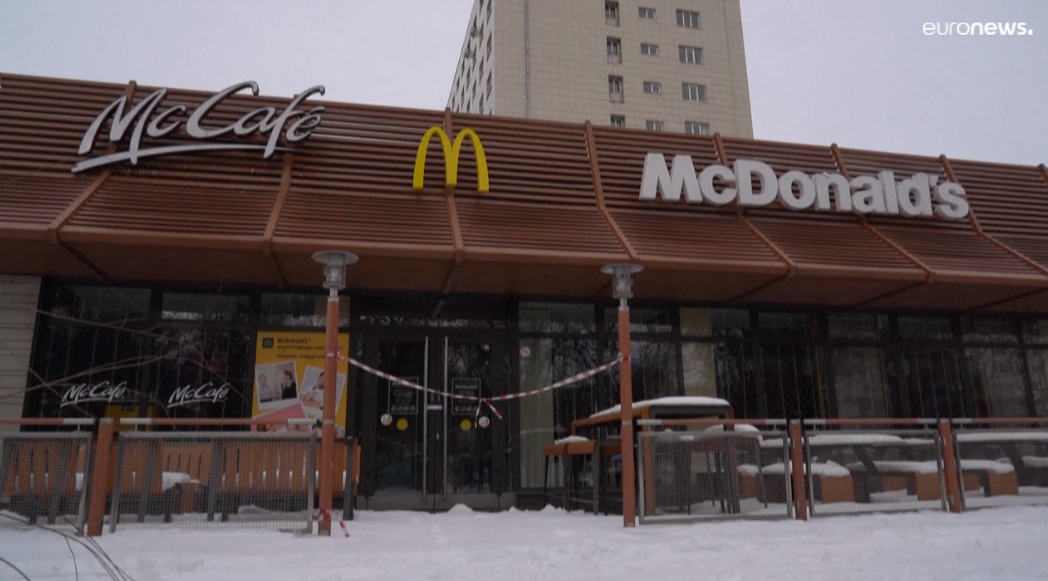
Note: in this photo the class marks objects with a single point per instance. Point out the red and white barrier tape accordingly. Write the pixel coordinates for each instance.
(486, 400)
(327, 516)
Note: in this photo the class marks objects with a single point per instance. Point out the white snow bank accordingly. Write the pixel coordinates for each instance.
(168, 480)
(984, 544)
(737, 428)
(678, 401)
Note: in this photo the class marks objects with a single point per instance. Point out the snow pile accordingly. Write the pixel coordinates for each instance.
(570, 440)
(674, 401)
(1005, 544)
(830, 468)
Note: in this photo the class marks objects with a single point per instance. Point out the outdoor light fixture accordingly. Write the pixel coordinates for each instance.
(335, 263)
(623, 278)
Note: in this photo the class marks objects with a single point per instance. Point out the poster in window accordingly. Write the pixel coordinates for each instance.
(465, 387)
(403, 400)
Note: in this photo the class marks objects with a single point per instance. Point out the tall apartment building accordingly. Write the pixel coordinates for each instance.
(665, 65)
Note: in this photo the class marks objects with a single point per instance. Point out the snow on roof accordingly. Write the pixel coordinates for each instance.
(841, 439)
(683, 401)
(830, 468)
(736, 427)
(994, 436)
(928, 467)
(570, 439)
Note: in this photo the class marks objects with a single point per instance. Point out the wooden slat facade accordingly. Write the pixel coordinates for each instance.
(563, 200)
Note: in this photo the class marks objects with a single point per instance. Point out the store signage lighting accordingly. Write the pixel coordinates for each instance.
(145, 120)
(921, 195)
(206, 393)
(87, 393)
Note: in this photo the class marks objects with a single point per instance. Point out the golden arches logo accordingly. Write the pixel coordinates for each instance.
(451, 157)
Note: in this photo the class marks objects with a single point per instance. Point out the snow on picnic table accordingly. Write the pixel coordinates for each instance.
(998, 544)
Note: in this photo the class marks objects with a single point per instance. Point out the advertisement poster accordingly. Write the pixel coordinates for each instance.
(289, 378)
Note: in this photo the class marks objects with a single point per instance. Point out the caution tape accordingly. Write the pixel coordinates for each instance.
(325, 515)
(485, 400)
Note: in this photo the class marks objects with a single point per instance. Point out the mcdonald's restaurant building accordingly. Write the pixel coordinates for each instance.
(155, 260)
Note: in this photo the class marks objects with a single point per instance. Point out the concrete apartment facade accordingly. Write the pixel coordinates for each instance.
(623, 63)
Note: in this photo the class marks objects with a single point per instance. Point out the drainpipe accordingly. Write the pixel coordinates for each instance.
(527, 59)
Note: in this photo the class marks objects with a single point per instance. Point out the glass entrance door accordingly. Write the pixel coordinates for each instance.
(430, 450)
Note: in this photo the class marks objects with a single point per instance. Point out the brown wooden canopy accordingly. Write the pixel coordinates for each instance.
(563, 201)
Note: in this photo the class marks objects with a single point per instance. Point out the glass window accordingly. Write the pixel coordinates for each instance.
(557, 317)
(299, 310)
(646, 48)
(691, 55)
(786, 324)
(1038, 361)
(700, 369)
(653, 88)
(611, 13)
(646, 13)
(693, 92)
(696, 322)
(642, 320)
(99, 303)
(858, 378)
(925, 328)
(614, 50)
(696, 128)
(651, 125)
(688, 19)
(790, 379)
(618, 121)
(206, 307)
(737, 378)
(548, 416)
(615, 88)
(1035, 331)
(857, 326)
(654, 368)
(930, 382)
(999, 381)
(204, 373)
(989, 330)
(730, 322)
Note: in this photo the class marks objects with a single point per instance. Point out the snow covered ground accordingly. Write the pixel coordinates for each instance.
(1006, 544)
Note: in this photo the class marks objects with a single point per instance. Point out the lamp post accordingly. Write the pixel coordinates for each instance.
(622, 289)
(335, 263)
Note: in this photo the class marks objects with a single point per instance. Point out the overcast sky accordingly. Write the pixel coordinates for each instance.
(857, 72)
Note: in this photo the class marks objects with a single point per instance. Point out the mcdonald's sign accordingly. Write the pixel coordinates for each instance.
(451, 157)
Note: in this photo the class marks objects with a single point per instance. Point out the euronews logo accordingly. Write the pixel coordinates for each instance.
(977, 29)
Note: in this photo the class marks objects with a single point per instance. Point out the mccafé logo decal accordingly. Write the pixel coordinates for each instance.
(919, 195)
(451, 157)
(87, 393)
(206, 393)
(294, 124)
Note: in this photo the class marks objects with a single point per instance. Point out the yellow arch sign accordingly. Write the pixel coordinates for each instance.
(451, 157)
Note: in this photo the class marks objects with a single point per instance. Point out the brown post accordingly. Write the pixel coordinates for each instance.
(949, 467)
(800, 497)
(327, 434)
(629, 510)
(97, 503)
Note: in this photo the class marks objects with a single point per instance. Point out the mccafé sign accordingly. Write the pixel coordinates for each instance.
(88, 393)
(206, 393)
(918, 195)
(148, 120)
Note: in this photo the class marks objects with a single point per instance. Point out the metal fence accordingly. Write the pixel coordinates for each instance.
(880, 470)
(44, 479)
(713, 474)
(215, 479)
(1002, 467)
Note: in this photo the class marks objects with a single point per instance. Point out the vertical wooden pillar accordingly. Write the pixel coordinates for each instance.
(99, 478)
(800, 496)
(949, 467)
